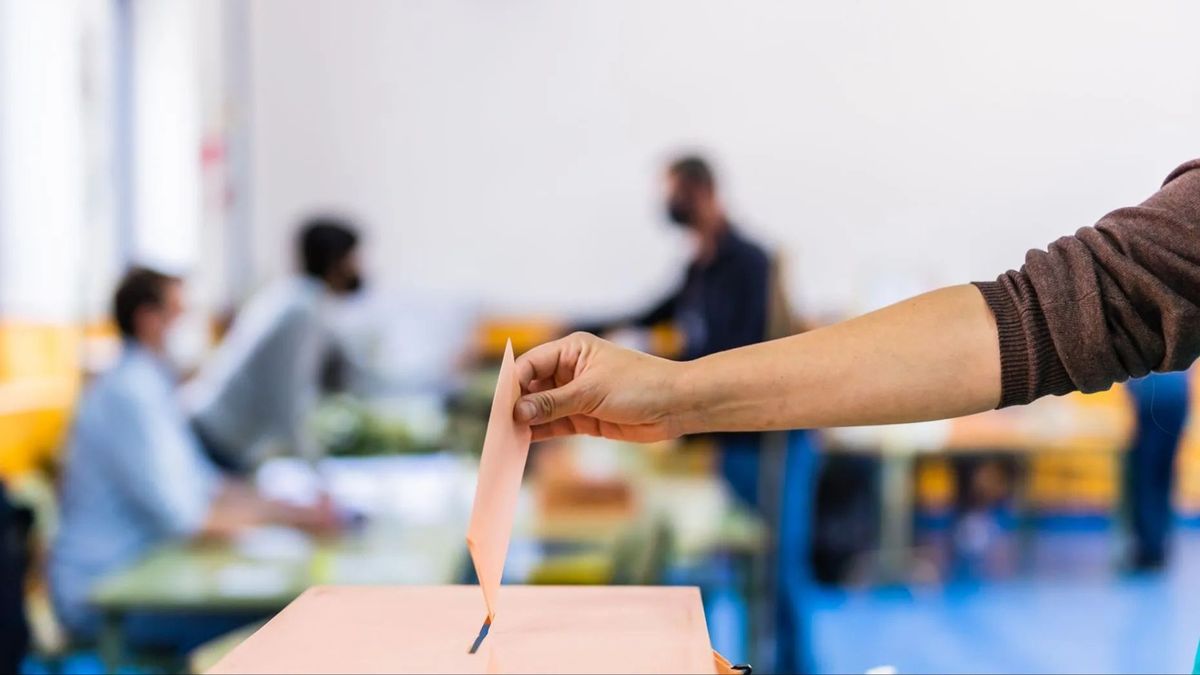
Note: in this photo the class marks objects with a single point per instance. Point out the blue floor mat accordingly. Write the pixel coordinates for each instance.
(1071, 613)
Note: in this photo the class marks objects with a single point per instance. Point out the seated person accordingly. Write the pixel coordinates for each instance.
(262, 384)
(135, 477)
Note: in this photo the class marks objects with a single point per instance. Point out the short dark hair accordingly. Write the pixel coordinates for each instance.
(693, 170)
(140, 287)
(324, 241)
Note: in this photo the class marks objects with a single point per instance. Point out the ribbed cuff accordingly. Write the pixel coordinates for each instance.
(1014, 357)
(1029, 364)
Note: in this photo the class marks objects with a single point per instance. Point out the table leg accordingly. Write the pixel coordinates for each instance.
(896, 514)
(112, 640)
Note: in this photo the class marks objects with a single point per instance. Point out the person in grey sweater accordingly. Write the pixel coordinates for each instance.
(1117, 300)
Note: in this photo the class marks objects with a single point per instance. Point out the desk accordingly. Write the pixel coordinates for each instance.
(684, 519)
(695, 509)
(682, 514)
(704, 518)
(417, 509)
(217, 577)
(1074, 423)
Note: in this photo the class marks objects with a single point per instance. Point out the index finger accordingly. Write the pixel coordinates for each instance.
(539, 363)
(543, 361)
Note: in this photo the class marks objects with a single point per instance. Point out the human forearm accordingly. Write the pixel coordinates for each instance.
(928, 357)
(233, 509)
(932, 356)
(239, 506)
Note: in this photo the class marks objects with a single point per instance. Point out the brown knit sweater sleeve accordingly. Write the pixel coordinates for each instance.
(1115, 301)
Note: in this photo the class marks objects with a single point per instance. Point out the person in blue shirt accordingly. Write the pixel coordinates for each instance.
(136, 477)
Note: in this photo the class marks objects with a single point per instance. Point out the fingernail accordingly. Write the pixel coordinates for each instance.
(526, 411)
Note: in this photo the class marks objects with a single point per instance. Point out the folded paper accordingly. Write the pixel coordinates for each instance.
(505, 448)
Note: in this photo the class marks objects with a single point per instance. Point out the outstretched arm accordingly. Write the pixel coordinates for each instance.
(1114, 301)
(933, 356)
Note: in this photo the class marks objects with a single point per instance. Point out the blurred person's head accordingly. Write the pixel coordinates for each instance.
(147, 303)
(329, 253)
(691, 194)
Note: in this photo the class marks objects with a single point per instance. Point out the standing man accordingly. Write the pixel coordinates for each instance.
(257, 393)
(728, 299)
(722, 302)
(723, 299)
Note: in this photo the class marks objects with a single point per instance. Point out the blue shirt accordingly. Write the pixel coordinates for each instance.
(135, 477)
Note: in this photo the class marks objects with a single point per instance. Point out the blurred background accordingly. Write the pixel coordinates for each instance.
(337, 213)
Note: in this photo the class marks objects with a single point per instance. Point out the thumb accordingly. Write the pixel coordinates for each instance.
(547, 406)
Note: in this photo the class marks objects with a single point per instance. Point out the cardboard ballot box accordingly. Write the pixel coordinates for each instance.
(430, 629)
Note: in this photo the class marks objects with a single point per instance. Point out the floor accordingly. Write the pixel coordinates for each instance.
(1068, 611)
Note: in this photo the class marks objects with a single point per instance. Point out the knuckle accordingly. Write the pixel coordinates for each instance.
(545, 404)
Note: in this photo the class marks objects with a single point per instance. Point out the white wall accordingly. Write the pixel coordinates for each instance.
(60, 253)
(510, 150)
(41, 159)
(166, 143)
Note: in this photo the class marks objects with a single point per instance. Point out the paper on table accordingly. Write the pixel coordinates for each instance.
(505, 448)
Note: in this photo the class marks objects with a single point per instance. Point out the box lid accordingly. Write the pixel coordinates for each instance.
(429, 629)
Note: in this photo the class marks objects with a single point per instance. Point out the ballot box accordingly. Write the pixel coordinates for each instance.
(432, 629)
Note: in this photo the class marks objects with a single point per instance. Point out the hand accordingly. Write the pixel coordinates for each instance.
(319, 519)
(238, 506)
(581, 384)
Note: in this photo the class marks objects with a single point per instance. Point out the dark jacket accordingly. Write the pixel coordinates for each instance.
(719, 305)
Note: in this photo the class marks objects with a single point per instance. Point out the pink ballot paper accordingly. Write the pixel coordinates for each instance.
(505, 447)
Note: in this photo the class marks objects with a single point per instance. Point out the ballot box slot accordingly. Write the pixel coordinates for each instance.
(483, 632)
